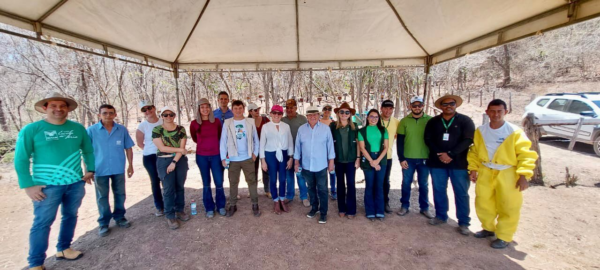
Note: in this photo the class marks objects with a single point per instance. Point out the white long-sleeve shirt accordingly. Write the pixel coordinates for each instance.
(272, 139)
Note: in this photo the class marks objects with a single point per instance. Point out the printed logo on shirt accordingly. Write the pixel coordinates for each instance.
(500, 140)
(240, 133)
(53, 135)
(118, 142)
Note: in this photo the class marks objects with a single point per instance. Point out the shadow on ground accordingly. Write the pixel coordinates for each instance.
(581, 148)
(288, 241)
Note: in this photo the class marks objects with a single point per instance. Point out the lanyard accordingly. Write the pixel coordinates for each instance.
(449, 123)
(389, 121)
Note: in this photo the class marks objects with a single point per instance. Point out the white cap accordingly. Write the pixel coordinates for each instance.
(145, 103)
(253, 106)
(167, 108)
(416, 99)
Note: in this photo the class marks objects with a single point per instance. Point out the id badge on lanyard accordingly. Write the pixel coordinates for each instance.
(447, 126)
(446, 137)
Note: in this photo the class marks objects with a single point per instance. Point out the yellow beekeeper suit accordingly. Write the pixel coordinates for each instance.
(496, 194)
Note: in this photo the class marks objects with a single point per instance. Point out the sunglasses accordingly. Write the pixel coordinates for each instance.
(326, 109)
(168, 115)
(277, 113)
(449, 104)
(417, 106)
(344, 112)
(147, 108)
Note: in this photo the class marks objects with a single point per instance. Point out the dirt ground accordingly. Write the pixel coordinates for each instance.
(559, 228)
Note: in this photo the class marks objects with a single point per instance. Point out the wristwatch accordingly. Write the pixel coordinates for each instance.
(174, 161)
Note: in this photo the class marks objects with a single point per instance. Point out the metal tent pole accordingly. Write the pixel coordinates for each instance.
(176, 75)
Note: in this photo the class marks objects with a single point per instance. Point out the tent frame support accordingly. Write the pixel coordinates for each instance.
(176, 76)
(192, 31)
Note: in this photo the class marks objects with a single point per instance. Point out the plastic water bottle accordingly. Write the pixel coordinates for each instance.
(193, 207)
(299, 173)
(227, 163)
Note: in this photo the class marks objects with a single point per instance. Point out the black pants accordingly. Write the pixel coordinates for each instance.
(173, 184)
(386, 182)
(317, 189)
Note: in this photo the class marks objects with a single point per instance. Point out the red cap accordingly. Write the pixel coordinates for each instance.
(277, 108)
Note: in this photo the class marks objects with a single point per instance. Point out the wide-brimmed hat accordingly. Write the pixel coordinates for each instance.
(211, 114)
(345, 105)
(55, 96)
(438, 102)
(311, 110)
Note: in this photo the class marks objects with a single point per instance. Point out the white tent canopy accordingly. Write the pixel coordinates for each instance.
(287, 34)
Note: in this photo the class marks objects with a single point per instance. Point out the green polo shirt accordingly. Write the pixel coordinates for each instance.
(413, 130)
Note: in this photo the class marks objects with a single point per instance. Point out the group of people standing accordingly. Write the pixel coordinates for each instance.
(292, 149)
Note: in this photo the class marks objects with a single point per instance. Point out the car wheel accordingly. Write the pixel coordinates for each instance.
(597, 145)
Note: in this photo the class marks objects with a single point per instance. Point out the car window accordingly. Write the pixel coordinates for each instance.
(597, 102)
(577, 107)
(542, 102)
(558, 105)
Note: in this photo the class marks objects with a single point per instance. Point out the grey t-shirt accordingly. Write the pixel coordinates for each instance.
(295, 123)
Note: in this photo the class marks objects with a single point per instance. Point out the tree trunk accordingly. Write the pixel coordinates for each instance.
(3, 123)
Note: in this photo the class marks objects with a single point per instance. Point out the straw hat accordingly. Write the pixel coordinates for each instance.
(345, 105)
(311, 110)
(438, 102)
(55, 96)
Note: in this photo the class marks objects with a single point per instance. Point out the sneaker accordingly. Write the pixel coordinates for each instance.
(69, 255)
(484, 234)
(182, 216)
(159, 213)
(103, 231)
(499, 244)
(222, 212)
(333, 196)
(306, 203)
(323, 219)
(427, 214)
(210, 214)
(312, 214)
(464, 230)
(387, 209)
(403, 211)
(436, 221)
(173, 223)
(39, 267)
(123, 223)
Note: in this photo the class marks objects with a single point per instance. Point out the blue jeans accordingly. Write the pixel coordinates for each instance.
(103, 185)
(150, 165)
(291, 185)
(44, 212)
(460, 184)
(332, 183)
(420, 166)
(317, 189)
(206, 164)
(374, 204)
(346, 187)
(173, 184)
(276, 171)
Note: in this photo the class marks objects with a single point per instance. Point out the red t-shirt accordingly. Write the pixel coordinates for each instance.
(206, 137)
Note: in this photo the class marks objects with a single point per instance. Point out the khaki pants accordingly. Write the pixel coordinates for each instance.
(234, 180)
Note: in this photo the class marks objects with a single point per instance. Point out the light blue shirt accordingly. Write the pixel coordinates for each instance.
(314, 147)
(242, 143)
(223, 116)
(109, 149)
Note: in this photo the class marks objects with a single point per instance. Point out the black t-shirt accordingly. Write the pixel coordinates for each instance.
(460, 131)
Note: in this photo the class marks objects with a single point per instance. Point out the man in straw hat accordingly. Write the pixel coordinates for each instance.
(314, 147)
(448, 137)
(58, 179)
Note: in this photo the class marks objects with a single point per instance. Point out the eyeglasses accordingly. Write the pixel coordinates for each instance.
(452, 104)
(168, 115)
(344, 112)
(147, 108)
(373, 117)
(417, 105)
(326, 109)
(277, 113)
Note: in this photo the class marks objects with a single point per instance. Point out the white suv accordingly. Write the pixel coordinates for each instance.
(561, 106)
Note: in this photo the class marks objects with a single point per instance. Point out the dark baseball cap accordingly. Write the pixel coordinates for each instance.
(387, 103)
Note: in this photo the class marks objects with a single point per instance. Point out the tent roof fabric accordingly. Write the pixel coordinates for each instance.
(288, 34)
